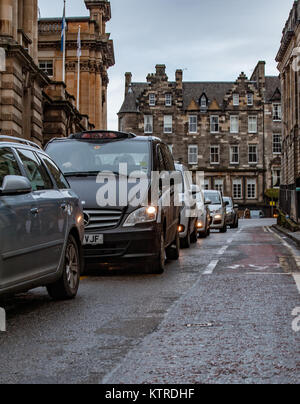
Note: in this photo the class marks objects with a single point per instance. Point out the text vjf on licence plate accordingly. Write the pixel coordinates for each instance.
(93, 239)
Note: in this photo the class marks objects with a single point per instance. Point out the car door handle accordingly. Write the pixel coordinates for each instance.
(34, 211)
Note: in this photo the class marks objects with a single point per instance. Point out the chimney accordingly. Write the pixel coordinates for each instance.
(160, 70)
(128, 80)
(179, 79)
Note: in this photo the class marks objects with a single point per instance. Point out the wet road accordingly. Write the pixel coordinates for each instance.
(222, 314)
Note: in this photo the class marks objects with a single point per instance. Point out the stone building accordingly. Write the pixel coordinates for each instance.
(37, 105)
(97, 56)
(229, 130)
(288, 59)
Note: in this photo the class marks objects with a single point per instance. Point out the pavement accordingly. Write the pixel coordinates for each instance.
(224, 313)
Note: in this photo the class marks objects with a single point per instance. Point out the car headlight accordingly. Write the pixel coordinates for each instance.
(218, 217)
(141, 215)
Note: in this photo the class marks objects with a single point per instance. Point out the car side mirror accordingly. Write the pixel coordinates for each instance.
(14, 184)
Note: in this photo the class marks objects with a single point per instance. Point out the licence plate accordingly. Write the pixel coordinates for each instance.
(93, 239)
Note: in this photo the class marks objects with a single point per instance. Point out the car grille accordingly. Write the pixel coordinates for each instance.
(101, 219)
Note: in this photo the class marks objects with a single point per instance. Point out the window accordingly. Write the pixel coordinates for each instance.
(168, 124)
(252, 124)
(253, 154)
(237, 189)
(215, 155)
(234, 124)
(277, 113)
(236, 100)
(193, 154)
(203, 102)
(219, 185)
(168, 100)
(152, 100)
(251, 188)
(206, 184)
(56, 173)
(47, 67)
(276, 176)
(36, 172)
(277, 143)
(250, 99)
(214, 124)
(8, 164)
(234, 155)
(193, 123)
(148, 123)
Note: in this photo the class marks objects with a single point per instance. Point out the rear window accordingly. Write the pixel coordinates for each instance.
(214, 197)
(79, 156)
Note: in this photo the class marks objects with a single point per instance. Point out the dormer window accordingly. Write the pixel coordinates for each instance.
(152, 100)
(236, 100)
(203, 102)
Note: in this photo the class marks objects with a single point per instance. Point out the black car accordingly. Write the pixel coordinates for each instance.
(122, 225)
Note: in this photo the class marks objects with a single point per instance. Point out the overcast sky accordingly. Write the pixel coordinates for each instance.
(208, 39)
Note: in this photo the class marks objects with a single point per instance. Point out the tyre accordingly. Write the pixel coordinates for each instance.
(67, 286)
(194, 236)
(237, 224)
(224, 229)
(158, 267)
(173, 251)
(186, 242)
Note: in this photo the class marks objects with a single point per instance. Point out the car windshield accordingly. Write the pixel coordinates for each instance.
(214, 197)
(91, 157)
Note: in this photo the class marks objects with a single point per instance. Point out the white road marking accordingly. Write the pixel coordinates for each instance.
(222, 250)
(297, 280)
(211, 267)
(296, 276)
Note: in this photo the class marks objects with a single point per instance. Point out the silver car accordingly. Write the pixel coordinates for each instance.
(41, 223)
(217, 209)
(188, 215)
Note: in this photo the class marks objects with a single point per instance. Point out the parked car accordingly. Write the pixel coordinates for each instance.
(188, 215)
(257, 214)
(203, 213)
(41, 223)
(232, 218)
(217, 209)
(119, 231)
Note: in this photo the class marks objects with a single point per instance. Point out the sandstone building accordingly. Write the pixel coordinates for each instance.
(97, 56)
(288, 59)
(35, 104)
(229, 130)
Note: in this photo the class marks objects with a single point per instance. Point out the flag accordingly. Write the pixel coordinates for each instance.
(63, 28)
(79, 44)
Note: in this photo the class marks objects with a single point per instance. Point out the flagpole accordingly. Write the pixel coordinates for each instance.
(64, 44)
(78, 78)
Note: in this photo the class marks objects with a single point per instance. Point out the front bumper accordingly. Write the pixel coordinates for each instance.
(217, 223)
(138, 244)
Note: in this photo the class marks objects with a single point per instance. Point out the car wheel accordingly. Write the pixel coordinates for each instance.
(158, 267)
(237, 224)
(194, 236)
(224, 229)
(173, 252)
(67, 286)
(186, 241)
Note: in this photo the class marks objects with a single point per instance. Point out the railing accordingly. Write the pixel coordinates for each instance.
(289, 201)
(50, 27)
